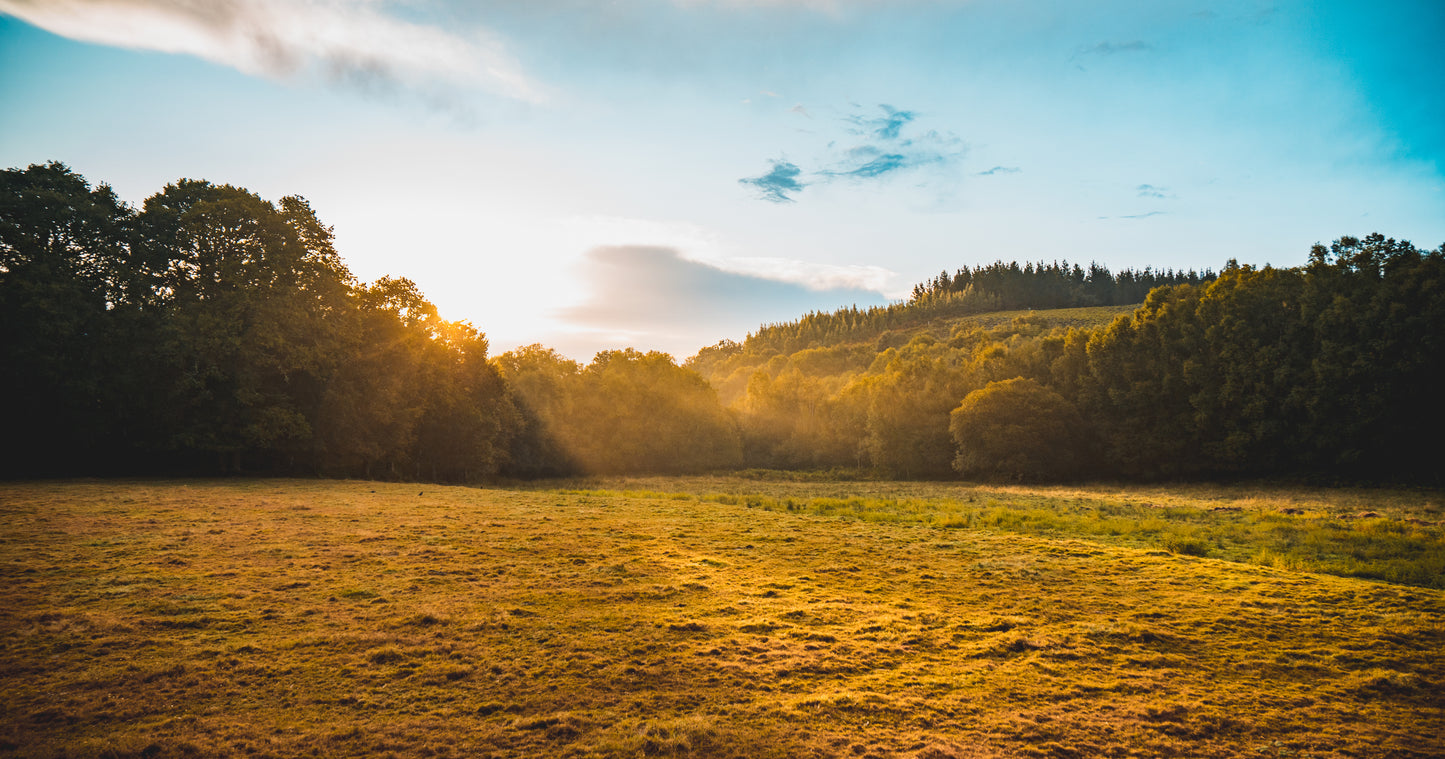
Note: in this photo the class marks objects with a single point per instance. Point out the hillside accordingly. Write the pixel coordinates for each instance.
(1323, 370)
(872, 390)
(848, 340)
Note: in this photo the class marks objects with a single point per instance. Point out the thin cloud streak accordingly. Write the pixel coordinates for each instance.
(825, 7)
(817, 277)
(1135, 216)
(347, 42)
(1110, 48)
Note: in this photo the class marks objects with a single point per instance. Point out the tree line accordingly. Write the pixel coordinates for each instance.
(1008, 286)
(1328, 369)
(212, 331)
(981, 289)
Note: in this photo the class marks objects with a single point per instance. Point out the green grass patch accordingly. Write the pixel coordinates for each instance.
(1329, 537)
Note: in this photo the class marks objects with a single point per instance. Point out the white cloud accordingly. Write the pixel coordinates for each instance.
(646, 295)
(814, 276)
(350, 41)
(823, 6)
(705, 246)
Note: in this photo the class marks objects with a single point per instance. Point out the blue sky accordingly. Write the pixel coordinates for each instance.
(663, 174)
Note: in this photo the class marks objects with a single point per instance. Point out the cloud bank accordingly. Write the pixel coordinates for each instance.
(811, 275)
(349, 42)
(651, 296)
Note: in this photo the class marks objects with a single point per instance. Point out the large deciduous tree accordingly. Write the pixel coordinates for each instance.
(216, 330)
(248, 291)
(69, 300)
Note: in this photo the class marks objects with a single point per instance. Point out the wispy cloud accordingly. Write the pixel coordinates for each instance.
(871, 164)
(349, 42)
(877, 148)
(1136, 216)
(834, 8)
(1111, 48)
(828, 7)
(780, 184)
(999, 170)
(1150, 191)
(884, 148)
(885, 127)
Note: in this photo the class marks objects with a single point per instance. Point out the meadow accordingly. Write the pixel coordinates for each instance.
(744, 616)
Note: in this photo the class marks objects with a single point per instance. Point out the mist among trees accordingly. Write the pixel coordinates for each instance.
(213, 331)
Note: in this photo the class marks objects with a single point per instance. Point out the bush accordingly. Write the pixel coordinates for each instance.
(1017, 430)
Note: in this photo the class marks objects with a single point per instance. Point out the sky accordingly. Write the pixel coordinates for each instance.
(665, 174)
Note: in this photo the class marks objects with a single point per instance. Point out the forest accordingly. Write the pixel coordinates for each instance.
(212, 331)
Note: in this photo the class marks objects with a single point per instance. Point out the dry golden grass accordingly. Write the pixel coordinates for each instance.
(308, 618)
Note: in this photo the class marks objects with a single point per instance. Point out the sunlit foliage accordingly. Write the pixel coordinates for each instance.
(1017, 429)
(1321, 370)
(212, 330)
(627, 411)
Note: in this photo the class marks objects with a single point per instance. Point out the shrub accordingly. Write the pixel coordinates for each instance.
(1017, 430)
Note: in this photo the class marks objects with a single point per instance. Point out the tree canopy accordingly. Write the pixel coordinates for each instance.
(1017, 429)
(1323, 370)
(627, 411)
(212, 330)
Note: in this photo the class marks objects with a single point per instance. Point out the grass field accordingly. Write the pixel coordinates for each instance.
(717, 617)
(1380, 534)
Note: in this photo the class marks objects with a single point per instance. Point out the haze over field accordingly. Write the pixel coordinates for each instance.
(535, 166)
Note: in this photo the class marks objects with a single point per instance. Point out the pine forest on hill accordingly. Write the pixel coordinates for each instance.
(212, 331)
